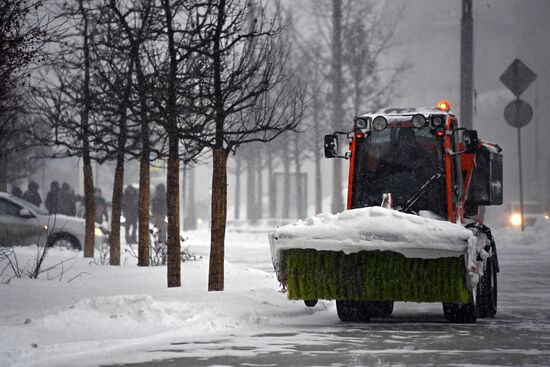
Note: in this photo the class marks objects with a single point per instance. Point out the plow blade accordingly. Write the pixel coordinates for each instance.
(374, 254)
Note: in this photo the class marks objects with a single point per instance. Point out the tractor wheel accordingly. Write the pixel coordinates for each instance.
(462, 313)
(310, 302)
(352, 311)
(379, 308)
(487, 290)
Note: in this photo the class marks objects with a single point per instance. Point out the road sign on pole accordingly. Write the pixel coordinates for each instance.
(518, 113)
(517, 77)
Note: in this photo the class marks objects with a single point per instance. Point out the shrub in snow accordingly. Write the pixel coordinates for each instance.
(158, 250)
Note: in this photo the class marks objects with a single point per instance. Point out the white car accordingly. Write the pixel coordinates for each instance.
(533, 212)
(23, 224)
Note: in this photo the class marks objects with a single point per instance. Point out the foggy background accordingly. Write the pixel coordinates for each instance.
(427, 37)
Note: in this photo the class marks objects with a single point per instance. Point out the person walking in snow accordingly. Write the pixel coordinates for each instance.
(158, 209)
(52, 202)
(32, 195)
(16, 191)
(101, 213)
(130, 213)
(67, 200)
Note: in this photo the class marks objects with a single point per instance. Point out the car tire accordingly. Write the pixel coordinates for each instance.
(352, 311)
(64, 240)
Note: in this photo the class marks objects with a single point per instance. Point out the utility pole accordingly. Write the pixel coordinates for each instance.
(466, 65)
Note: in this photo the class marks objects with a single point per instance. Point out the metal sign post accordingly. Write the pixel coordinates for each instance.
(517, 77)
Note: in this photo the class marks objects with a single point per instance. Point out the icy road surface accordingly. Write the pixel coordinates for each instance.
(417, 334)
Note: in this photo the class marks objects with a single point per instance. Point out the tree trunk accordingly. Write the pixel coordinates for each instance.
(236, 209)
(172, 206)
(270, 185)
(89, 200)
(259, 199)
(318, 185)
(337, 100)
(317, 151)
(118, 184)
(286, 184)
(143, 212)
(172, 178)
(298, 179)
(218, 218)
(89, 207)
(3, 174)
(114, 240)
(191, 211)
(251, 185)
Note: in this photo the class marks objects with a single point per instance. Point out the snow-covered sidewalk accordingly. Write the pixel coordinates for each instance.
(108, 312)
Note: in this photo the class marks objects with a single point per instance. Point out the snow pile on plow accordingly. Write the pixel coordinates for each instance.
(374, 228)
(374, 253)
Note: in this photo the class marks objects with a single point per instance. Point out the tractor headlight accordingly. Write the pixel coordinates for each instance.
(379, 123)
(515, 219)
(438, 120)
(361, 123)
(98, 232)
(418, 121)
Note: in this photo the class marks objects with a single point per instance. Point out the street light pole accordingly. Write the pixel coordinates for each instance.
(466, 65)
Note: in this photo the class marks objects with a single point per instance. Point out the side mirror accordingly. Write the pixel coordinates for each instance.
(331, 146)
(471, 139)
(25, 213)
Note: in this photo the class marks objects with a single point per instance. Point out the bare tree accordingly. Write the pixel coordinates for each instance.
(243, 68)
(64, 99)
(349, 40)
(136, 23)
(22, 34)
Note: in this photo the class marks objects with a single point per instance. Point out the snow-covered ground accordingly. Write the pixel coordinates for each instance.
(126, 314)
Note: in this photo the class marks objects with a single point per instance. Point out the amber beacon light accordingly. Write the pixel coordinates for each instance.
(444, 106)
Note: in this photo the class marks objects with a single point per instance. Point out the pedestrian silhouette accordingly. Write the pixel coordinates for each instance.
(32, 195)
(52, 198)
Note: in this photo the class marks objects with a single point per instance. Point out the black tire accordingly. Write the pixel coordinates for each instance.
(352, 311)
(462, 313)
(487, 290)
(379, 308)
(64, 240)
(310, 302)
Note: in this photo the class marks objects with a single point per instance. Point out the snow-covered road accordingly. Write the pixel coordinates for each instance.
(121, 315)
(417, 334)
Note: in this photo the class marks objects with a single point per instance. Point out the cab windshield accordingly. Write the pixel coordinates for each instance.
(399, 160)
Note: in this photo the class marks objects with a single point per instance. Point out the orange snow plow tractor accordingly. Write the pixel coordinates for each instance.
(411, 231)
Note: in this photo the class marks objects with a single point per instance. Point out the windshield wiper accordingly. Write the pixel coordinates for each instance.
(423, 189)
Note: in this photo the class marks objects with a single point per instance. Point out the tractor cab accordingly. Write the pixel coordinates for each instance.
(419, 160)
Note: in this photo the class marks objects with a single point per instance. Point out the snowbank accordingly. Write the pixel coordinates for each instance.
(374, 228)
(124, 313)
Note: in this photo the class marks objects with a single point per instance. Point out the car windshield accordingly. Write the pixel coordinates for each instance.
(28, 205)
(399, 160)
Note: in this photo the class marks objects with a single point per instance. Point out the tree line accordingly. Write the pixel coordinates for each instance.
(186, 82)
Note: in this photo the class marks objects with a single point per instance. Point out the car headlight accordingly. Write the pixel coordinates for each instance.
(98, 232)
(515, 219)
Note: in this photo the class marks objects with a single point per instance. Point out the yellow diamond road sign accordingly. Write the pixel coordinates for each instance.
(517, 77)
